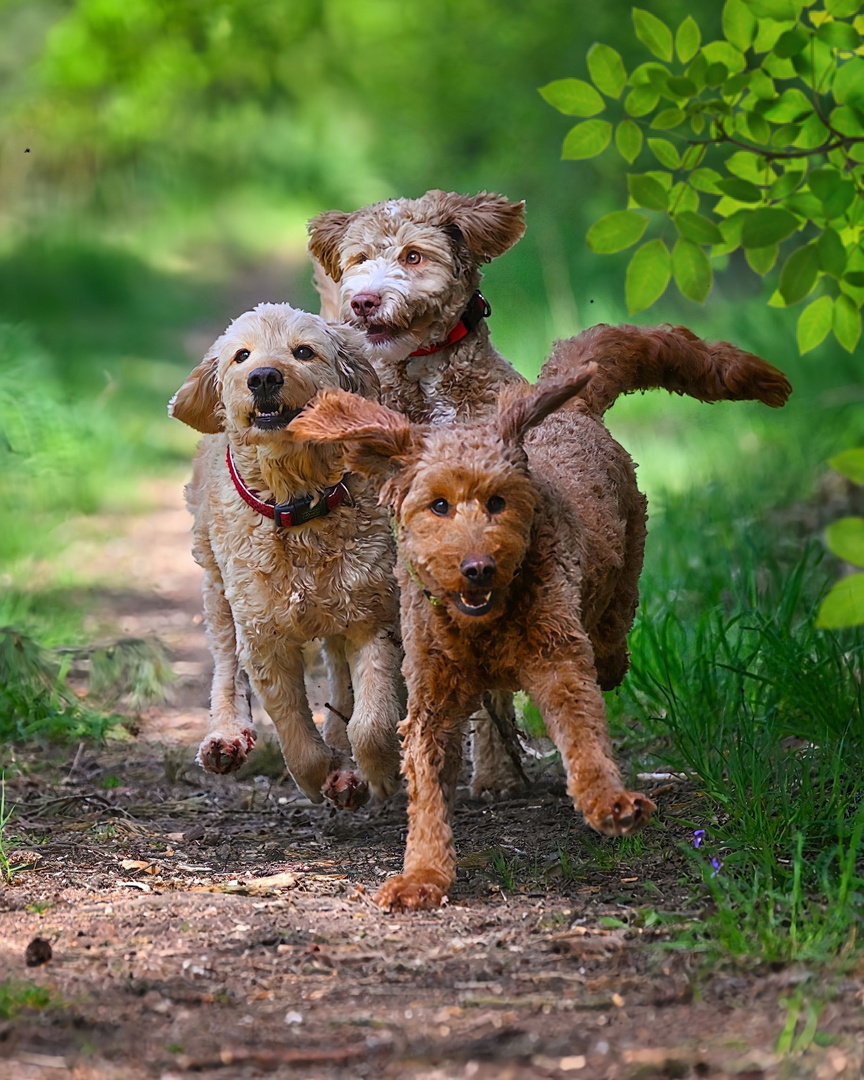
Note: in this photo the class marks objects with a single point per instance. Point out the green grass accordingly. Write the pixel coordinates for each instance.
(17, 995)
(731, 681)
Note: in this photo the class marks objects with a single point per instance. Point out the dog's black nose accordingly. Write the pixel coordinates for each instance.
(365, 303)
(478, 569)
(264, 380)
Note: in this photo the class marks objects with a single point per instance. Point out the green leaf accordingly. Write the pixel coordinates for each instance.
(814, 322)
(691, 269)
(749, 167)
(835, 193)
(665, 153)
(683, 198)
(706, 180)
(768, 225)
(847, 322)
(789, 108)
(647, 192)
(804, 204)
(687, 39)
(721, 52)
(799, 272)
(762, 86)
(647, 275)
(587, 140)
(731, 232)
(696, 227)
(791, 43)
(844, 604)
(848, 85)
(680, 87)
(715, 74)
(573, 97)
(616, 232)
(779, 10)
(628, 139)
(846, 539)
(607, 70)
(761, 260)
(653, 32)
(839, 35)
(668, 118)
(832, 253)
(650, 74)
(640, 101)
(784, 185)
(841, 8)
(742, 190)
(757, 128)
(855, 278)
(692, 157)
(813, 133)
(739, 24)
(850, 463)
(847, 120)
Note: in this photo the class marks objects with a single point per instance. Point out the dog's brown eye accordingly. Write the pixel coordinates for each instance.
(496, 504)
(303, 352)
(242, 355)
(413, 258)
(440, 507)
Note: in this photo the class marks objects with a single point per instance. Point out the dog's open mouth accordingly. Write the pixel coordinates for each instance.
(473, 601)
(381, 333)
(273, 419)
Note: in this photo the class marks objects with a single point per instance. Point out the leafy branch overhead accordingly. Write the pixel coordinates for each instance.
(753, 141)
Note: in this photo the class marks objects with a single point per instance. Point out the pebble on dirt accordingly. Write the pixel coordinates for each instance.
(38, 952)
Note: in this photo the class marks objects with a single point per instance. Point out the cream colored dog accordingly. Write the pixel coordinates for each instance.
(292, 549)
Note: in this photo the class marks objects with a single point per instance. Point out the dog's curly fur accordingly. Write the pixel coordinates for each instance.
(519, 558)
(418, 261)
(267, 590)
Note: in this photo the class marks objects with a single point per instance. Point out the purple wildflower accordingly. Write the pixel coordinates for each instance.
(715, 862)
(698, 837)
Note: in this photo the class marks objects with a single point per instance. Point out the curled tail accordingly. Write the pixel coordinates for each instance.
(672, 358)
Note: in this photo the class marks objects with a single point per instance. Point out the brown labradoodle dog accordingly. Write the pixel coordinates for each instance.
(406, 272)
(519, 558)
(293, 548)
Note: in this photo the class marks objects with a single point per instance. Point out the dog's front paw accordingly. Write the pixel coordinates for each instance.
(220, 754)
(620, 813)
(345, 789)
(410, 892)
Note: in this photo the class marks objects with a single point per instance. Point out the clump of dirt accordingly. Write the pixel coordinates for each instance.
(224, 927)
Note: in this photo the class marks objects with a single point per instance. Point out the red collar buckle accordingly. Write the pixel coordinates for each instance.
(478, 309)
(287, 515)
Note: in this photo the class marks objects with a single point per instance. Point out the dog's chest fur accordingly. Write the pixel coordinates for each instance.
(310, 581)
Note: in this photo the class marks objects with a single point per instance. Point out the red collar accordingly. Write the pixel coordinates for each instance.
(478, 308)
(285, 515)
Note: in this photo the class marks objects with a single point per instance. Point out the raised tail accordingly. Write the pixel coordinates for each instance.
(672, 358)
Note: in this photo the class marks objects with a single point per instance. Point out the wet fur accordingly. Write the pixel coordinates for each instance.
(568, 548)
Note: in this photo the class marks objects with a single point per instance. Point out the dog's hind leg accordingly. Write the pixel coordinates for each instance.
(230, 733)
(340, 702)
(495, 748)
(276, 674)
(374, 660)
(570, 702)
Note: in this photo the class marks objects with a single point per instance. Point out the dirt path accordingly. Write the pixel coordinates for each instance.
(215, 927)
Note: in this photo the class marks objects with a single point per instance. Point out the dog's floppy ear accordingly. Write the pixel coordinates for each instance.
(197, 402)
(518, 415)
(325, 238)
(353, 366)
(489, 224)
(328, 292)
(376, 438)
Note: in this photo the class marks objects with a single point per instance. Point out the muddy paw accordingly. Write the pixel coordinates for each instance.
(219, 754)
(409, 893)
(624, 812)
(345, 789)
